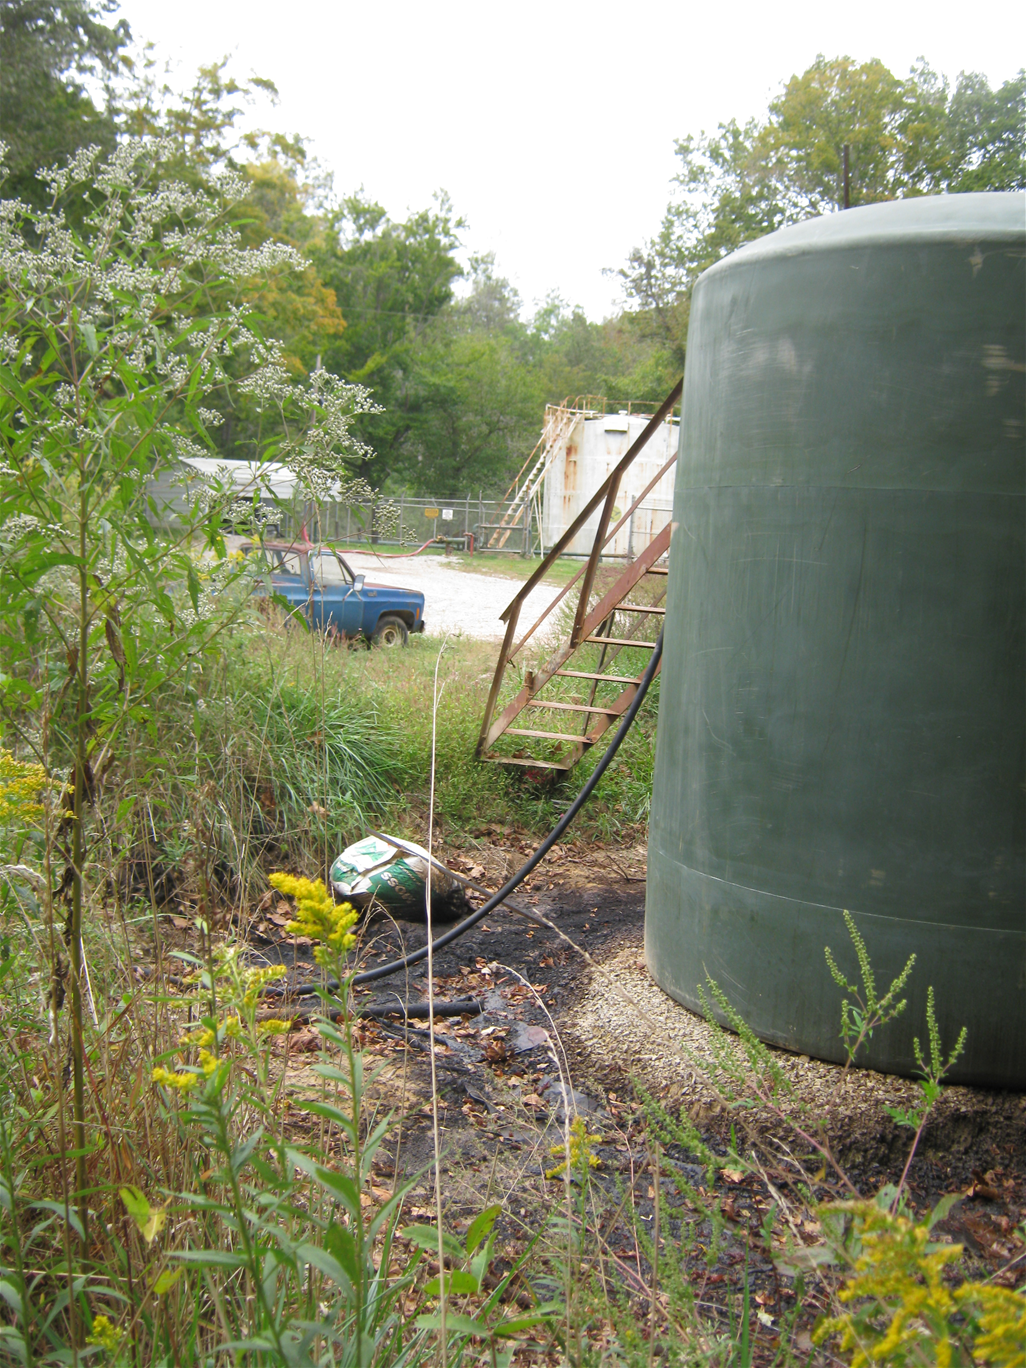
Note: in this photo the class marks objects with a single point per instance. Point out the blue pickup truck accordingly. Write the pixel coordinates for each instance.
(319, 583)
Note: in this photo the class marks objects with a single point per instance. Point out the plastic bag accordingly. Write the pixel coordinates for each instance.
(375, 871)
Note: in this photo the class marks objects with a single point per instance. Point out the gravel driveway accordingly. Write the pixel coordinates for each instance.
(457, 600)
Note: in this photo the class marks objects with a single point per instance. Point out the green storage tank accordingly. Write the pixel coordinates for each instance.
(843, 697)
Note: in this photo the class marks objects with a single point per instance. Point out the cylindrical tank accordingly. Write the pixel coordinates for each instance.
(843, 697)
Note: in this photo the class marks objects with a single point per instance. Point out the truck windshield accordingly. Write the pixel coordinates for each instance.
(327, 567)
(287, 563)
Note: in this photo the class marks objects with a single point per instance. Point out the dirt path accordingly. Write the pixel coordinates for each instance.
(455, 600)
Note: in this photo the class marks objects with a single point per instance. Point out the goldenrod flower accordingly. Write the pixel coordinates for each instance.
(104, 1334)
(1002, 1318)
(318, 916)
(581, 1141)
(21, 784)
(168, 1079)
(272, 1026)
(256, 980)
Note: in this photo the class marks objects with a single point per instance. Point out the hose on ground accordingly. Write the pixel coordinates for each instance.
(461, 928)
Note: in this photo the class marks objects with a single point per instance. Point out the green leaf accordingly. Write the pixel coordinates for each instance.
(426, 1238)
(520, 1323)
(457, 1282)
(342, 1186)
(149, 1220)
(89, 337)
(465, 1325)
(213, 1258)
(194, 585)
(166, 1280)
(942, 1208)
(481, 1226)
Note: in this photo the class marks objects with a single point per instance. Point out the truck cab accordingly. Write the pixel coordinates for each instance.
(319, 583)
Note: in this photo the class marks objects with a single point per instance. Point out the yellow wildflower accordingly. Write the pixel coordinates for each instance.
(104, 1334)
(256, 980)
(272, 1026)
(208, 1062)
(581, 1141)
(900, 1272)
(21, 785)
(168, 1079)
(318, 916)
(1002, 1318)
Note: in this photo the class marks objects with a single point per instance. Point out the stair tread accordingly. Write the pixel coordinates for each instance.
(571, 707)
(546, 735)
(519, 760)
(621, 641)
(585, 674)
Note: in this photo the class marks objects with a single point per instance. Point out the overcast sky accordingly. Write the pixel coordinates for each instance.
(549, 122)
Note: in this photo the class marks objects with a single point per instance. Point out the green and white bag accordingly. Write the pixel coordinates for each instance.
(375, 871)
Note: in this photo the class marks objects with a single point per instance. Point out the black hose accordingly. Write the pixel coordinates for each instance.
(454, 932)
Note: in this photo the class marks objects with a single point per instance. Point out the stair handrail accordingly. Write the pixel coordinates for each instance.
(511, 613)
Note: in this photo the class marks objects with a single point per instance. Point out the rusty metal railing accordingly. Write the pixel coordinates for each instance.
(586, 622)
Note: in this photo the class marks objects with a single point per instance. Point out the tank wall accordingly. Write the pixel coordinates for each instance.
(592, 450)
(842, 701)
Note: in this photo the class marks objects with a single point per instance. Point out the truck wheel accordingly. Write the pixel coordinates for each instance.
(391, 631)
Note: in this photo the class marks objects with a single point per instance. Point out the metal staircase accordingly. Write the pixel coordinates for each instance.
(574, 707)
(560, 421)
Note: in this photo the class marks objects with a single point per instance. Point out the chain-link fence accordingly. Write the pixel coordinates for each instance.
(406, 523)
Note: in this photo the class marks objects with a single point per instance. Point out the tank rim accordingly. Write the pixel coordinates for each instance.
(992, 215)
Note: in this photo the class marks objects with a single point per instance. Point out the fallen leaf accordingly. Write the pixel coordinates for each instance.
(733, 1175)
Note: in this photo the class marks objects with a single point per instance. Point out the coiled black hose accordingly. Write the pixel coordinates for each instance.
(454, 932)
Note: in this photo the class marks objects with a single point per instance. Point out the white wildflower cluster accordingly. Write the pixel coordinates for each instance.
(13, 529)
(325, 440)
(185, 446)
(210, 417)
(269, 383)
(386, 518)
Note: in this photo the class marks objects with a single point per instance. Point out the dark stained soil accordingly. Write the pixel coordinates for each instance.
(506, 1075)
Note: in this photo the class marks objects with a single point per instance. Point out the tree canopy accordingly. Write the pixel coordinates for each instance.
(459, 371)
(913, 136)
(53, 53)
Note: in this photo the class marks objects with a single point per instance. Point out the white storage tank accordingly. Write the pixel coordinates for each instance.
(594, 445)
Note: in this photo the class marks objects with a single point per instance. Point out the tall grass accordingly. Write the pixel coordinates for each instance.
(291, 747)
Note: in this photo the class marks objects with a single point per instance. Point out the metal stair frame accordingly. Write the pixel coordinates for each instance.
(586, 623)
(565, 421)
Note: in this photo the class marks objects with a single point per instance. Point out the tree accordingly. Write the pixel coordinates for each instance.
(905, 137)
(475, 392)
(283, 204)
(390, 280)
(108, 365)
(51, 51)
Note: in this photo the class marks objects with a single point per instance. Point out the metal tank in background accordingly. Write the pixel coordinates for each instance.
(842, 716)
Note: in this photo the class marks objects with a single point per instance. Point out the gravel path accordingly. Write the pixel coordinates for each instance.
(457, 600)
